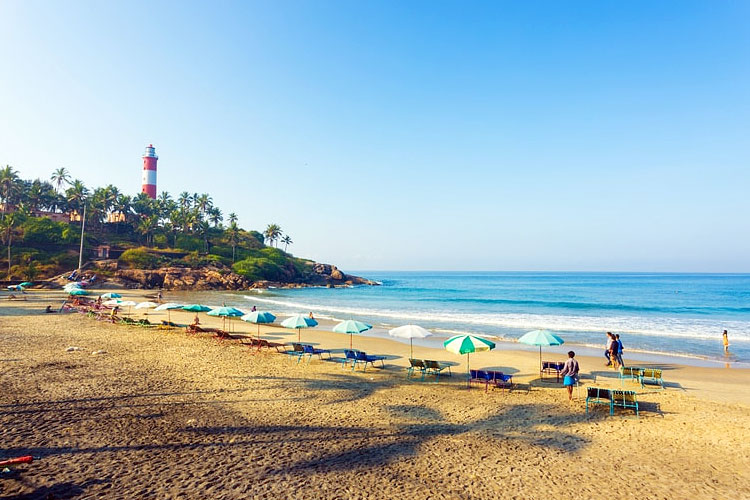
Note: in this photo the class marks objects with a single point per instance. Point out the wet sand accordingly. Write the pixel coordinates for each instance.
(161, 414)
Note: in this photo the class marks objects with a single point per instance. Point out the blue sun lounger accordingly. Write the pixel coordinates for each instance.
(363, 358)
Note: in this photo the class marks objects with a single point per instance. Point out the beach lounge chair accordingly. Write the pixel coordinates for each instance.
(595, 395)
(625, 399)
(363, 358)
(652, 376)
(312, 351)
(436, 368)
(297, 351)
(350, 356)
(416, 365)
(630, 373)
(500, 379)
(548, 367)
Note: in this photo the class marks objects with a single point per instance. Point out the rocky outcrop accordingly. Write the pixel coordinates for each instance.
(223, 278)
(181, 278)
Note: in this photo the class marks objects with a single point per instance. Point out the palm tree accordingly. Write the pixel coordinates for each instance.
(215, 216)
(232, 217)
(204, 203)
(10, 185)
(272, 233)
(76, 194)
(184, 200)
(286, 240)
(59, 177)
(146, 227)
(9, 223)
(234, 232)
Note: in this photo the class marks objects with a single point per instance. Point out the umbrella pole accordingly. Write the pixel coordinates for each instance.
(468, 371)
(540, 359)
(299, 334)
(411, 348)
(351, 341)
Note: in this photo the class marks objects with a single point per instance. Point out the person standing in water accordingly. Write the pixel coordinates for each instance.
(725, 340)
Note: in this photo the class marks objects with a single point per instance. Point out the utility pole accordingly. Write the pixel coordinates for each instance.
(83, 227)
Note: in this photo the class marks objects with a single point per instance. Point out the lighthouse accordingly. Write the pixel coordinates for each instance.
(149, 171)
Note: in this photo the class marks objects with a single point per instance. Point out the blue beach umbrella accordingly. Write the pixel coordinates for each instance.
(541, 338)
(299, 321)
(466, 344)
(351, 327)
(259, 318)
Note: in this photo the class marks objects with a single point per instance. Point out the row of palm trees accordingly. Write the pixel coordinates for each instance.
(193, 214)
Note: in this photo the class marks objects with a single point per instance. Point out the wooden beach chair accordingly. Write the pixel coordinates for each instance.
(598, 396)
(652, 376)
(436, 368)
(625, 399)
(416, 365)
(630, 373)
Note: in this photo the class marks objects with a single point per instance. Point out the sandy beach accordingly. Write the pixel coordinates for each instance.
(150, 413)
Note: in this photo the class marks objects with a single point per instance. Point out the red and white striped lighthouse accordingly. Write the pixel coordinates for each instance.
(149, 171)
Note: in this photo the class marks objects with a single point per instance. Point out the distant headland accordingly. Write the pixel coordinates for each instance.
(52, 227)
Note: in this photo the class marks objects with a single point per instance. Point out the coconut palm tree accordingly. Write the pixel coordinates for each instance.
(10, 185)
(9, 223)
(215, 216)
(234, 232)
(76, 194)
(286, 240)
(272, 233)
(59, 177)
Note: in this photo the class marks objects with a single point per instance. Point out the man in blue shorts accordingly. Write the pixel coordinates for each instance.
(570, 373)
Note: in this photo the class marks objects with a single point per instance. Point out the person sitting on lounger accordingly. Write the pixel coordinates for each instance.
(113, 314)
(49, 310)
(570, 373)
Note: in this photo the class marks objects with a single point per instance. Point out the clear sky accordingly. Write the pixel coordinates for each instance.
(459, 135)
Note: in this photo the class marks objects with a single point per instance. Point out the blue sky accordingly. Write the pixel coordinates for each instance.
(407, 135)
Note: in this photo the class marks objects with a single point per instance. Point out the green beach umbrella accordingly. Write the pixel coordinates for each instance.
(541, 338)
(168, 307)
(196, 308)
(78, 291)
(466, 344)
(351, 327)
(299, 321)
(410, 332)
(259, 317)
(111, 295)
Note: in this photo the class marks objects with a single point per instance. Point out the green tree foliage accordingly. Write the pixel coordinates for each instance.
(139, 258)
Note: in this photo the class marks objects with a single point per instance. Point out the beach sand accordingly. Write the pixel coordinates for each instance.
(161, 414)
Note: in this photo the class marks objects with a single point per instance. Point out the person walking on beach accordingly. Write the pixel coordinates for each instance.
(608, 349)
(725, 340)
(570, 373)
(613, 352)
(618, 343)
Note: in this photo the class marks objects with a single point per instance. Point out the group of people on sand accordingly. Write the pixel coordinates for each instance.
(613, 352)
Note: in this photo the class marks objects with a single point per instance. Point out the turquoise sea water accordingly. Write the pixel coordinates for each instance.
(682, 314)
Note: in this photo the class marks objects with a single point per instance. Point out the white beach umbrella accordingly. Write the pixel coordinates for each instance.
(146, 305)
(168, 307)
(410, 332)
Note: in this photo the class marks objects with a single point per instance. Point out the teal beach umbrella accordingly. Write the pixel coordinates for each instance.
(466, 344)
(111, 295)
(351, 327)
(225, 312)
(78, 291)
(26, 283)
(259, 317)
(541, 338)
(196, 308)
(299, 321)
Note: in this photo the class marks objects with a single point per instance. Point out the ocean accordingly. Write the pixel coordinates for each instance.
(655, 314)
